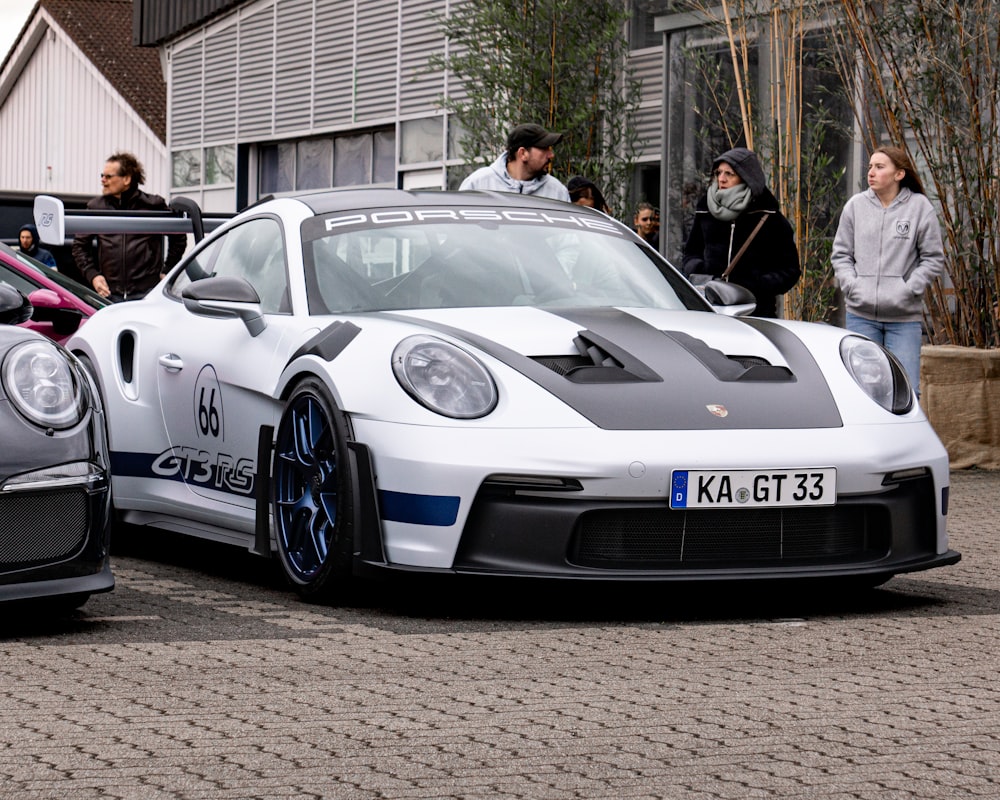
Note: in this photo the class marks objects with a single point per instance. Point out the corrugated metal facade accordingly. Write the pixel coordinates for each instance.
(62, 118)
(648, 66)
(292, 67)
(275, 70)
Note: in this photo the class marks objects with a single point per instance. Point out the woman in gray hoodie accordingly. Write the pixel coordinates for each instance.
(886, 253)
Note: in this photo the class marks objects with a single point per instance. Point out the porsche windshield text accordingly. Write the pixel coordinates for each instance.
(473, 216)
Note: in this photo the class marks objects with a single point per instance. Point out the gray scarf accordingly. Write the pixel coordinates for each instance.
(727, 204)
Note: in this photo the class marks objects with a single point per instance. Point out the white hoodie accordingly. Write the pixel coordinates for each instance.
(495, 178)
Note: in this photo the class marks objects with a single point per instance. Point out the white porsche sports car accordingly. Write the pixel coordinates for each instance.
(496, 384)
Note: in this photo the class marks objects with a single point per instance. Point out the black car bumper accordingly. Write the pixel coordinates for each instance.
(871, 537)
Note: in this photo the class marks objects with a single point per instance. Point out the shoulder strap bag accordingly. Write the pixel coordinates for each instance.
(743, 249)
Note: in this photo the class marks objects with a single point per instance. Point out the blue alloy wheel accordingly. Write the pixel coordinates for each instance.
(312, 508)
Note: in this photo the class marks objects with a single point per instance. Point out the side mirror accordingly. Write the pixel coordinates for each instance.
(226, 296)
(15, 308)
(730, 299)
(49, 307)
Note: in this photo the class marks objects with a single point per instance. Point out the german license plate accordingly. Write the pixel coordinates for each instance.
(753, 488)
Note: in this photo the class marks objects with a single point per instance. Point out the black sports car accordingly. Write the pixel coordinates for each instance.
(55, 497)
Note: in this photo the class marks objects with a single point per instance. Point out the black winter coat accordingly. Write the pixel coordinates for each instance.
(770, 265)
(131, 263)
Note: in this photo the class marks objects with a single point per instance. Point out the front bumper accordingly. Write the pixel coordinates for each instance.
(55, 541)
(882, 535)
(517, 533)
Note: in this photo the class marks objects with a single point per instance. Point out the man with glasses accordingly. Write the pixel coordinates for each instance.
(739, 233)
(125, 266)
(523, 168)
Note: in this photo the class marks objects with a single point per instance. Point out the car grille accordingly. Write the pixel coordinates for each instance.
(644, 539)
(42, 527)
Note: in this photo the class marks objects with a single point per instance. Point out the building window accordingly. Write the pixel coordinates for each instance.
(314, 164)
(384, 168)
(220, 165)
(277, 168)
(352, 165)
(357, 159)
(186, 168)
(421, 140)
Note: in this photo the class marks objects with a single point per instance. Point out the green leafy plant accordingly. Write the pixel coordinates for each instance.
(928, 72)
(557, 63)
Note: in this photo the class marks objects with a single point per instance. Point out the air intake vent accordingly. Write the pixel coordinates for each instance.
(562, 365)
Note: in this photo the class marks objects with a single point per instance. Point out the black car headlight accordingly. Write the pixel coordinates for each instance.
(878, 372)
(444, 378)
(43, 385)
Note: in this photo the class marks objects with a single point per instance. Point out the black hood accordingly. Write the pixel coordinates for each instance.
(34, 234)
(629, 375)
(745, 164)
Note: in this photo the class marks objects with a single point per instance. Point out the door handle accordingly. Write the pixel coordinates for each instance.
(171, 362)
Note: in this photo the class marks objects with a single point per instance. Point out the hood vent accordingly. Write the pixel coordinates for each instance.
(599, 361)
(730, 368)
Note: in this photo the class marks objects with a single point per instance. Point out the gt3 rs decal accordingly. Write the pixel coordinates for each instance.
(191, 465)
(224, 474)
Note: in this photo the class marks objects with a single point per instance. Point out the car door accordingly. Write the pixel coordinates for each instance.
(214, 377)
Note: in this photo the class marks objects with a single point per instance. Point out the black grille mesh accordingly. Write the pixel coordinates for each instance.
(650, 538)
(41, 527)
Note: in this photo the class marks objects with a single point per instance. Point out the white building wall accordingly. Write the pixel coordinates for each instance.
(280, 69)
(60, 119)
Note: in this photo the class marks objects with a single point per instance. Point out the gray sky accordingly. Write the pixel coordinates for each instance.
(13, 14)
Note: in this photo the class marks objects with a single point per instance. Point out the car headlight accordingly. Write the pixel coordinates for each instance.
(444, 378)
(878, 372)
(42, 385)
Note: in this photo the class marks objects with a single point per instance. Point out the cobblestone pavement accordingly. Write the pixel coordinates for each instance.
(201, 677)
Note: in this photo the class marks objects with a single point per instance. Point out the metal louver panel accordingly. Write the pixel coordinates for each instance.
(293, 90)
(648, 67)
(186, 94)
(220, 85)
(421, 38)
(256, 74)
(377, 36)
(333, 74)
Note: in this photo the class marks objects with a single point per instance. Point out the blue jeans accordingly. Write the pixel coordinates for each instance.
(902, 339)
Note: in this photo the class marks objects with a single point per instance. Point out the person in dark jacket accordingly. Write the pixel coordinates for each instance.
(125, 266)
(28, 236)
(739, 207)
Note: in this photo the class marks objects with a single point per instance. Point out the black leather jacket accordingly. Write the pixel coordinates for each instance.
(131, 263)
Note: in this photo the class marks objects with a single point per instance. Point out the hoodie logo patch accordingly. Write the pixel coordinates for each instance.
(719, 411)
(903, 228)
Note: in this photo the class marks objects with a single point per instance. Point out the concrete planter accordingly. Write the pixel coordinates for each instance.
(960, 392)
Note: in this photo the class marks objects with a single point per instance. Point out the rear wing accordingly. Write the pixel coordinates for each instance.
(57, 227)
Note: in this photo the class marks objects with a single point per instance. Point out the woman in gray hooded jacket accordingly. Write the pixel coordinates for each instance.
(886, 253)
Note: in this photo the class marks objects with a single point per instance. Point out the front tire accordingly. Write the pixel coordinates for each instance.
(313, 484)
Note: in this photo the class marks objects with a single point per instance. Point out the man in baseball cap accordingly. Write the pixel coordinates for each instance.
(523, 168)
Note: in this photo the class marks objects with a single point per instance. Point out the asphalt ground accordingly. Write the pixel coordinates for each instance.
(202, 677)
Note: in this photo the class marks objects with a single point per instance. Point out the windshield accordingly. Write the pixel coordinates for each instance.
(368, 262)
(87, 295)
